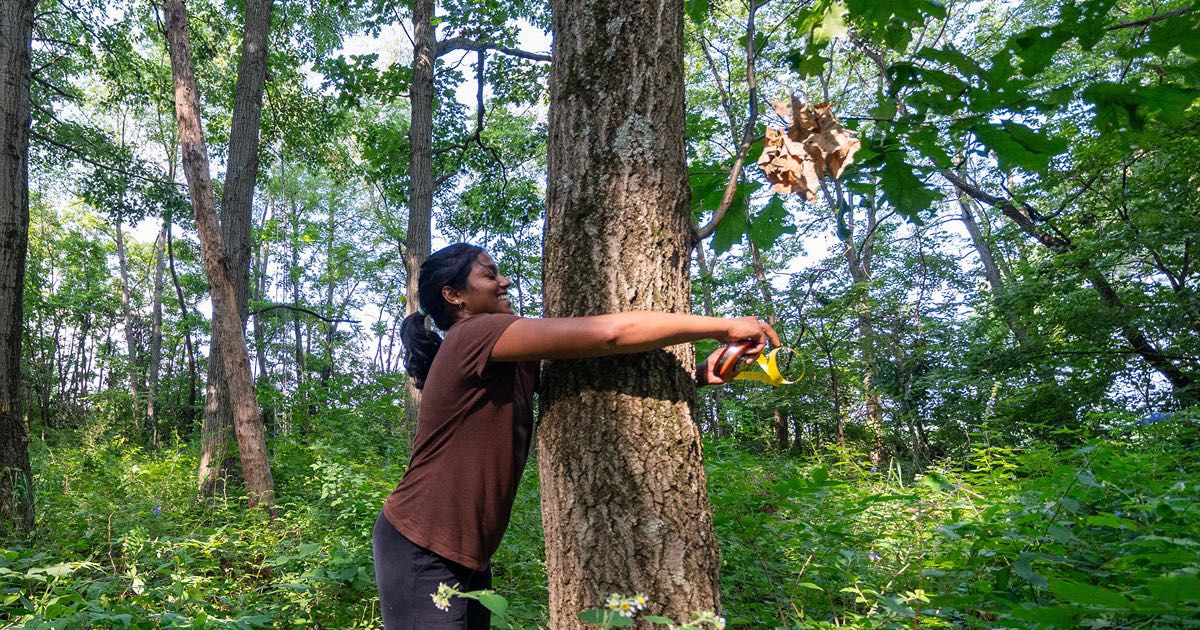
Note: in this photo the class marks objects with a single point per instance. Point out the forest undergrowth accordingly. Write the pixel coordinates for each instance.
(1097, 529)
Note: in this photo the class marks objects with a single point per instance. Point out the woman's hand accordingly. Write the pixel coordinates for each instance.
(707, 372)
(751, 329)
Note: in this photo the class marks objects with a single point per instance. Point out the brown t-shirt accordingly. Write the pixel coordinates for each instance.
(473, 434)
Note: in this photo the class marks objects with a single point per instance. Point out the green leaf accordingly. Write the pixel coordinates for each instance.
(655, 619)
(697, 11)
(1023, 567)
(833, 24)
(1086, 478)
(951, 56)
(771, 223)
(1088, 595)
(885, 109)
(1062, 535)
(820, 475)
(708, 185)
(807, 62)
(1036, 47)
(1111, 520)
(1177, 32)
(1016, 145)
(495, 603)
(735, 222)
(1173, 589)
(927, 140)
(903, 189)
(730, 230)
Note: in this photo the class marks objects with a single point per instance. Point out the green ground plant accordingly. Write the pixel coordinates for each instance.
(1100, 534)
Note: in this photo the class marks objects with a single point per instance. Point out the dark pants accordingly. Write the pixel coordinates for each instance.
(407, 576)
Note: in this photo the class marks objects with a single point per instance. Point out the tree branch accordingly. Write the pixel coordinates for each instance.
(735, 173)
(82, 157)
(1151, 20)
(301, 309)
(463, 43)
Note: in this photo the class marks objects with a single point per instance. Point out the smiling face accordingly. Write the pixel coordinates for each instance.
(486, 291)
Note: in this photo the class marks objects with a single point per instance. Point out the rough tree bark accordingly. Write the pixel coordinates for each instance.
(16, 36)
(227, 330)
(623, 488)
(236, 203)
(418, 237)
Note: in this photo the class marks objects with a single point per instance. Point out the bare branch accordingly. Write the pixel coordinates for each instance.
(463, 43)
(1151, 20)
(301, 309)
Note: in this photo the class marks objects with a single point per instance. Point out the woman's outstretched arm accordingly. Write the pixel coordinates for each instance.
(622, 333)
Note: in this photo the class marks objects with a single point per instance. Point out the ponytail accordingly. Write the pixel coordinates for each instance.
(420, 346)
(450, 267)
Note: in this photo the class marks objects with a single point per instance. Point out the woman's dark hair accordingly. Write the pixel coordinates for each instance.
(448, 266)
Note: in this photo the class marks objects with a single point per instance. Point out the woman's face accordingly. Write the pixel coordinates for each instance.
(486, 290)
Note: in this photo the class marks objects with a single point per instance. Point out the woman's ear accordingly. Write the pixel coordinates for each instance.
(450, 295)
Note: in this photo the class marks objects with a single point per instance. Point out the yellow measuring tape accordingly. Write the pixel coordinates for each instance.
(731, 359)
(770, 374)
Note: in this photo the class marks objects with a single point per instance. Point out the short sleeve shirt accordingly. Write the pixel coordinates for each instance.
(473, 435)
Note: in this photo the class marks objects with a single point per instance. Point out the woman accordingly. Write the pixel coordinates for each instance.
(446, 518)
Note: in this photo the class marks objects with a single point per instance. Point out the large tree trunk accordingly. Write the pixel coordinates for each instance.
(418, 238)
(227, 331)
(155, 338)
(16, 33)
(236, 203)
(624, 503)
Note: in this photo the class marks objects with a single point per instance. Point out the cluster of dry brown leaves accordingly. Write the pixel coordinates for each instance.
(815, 143)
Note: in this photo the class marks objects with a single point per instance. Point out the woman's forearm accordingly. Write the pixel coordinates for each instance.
(620, 333)
(639, 331)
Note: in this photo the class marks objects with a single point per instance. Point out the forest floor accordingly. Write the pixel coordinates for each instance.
(1097, 530)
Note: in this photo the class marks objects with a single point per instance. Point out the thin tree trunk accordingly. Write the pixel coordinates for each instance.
(189, 412)
(16, 36)
(779, 418)
(294, 277)
(716, 393)
(991, 270)
(418, 240)
(1182, 381)
(624, 503)
(127, 314)
(155, 338)
(228, 333)
(858, 260)
(260, 351)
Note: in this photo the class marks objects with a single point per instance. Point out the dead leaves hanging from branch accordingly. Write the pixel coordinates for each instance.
(814, 144)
